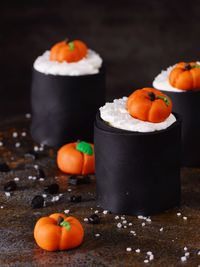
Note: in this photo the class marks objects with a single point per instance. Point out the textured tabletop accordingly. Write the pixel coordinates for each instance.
(173, 238)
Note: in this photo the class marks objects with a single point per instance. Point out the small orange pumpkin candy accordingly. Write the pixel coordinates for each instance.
(76, 158)
(185, 76)
(68, 51)
(149, 104)
(58, 232)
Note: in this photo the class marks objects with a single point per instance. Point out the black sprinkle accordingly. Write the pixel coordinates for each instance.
(37, 202)
(4, 167)
(41, 173)
(52, 189)
(10, 186)
(77, 180)
(76, 199)
(94, 219)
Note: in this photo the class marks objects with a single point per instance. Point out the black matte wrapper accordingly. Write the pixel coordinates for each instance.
(137, 173)
(64, 107)
(187, 104)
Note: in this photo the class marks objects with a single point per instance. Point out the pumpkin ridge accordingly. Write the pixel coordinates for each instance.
(177, 78)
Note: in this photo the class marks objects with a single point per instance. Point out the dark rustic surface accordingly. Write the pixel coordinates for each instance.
(136, 38)
(17, 246)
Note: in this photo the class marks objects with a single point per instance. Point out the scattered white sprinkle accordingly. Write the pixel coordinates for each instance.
(198, 253)
(44, 195)
(132, 232)
(41, 179)
(8, 194)
(146, 261)
(184, 218)
(69, 189)
(123, 218)
(143, 224)
(36, 148)
(187, 254)
(128, 249)
(97, 235)
(149, 253)
(117, 217)
(130, 224)
(23, 134)
(119, 225)
(161, 229)
(60, 195)
(55, 198)
(28, 115)
(1, 143)
(151, 257)
(85, 219)
(34, 178)
(105, 212)
(1, 207)
(124, 222)
(125, 226)
(137, 250)
(66, 211)
(41, 148)
(36, 167)
(140, 217)
(16, 179)
(148, 220)
(178, 214)
(15, 134)
(185, 248)
(183, 258)
(17, 144)
(96, 211)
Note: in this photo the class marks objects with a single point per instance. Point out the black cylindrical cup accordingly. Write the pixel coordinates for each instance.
(64, 107)
(187, 104)
(137, 173)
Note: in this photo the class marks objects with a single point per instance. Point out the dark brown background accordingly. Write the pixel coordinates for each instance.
(136, 38)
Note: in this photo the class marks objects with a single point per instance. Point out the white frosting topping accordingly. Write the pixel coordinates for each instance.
(116, 115)
(88, 65)
(161, 81)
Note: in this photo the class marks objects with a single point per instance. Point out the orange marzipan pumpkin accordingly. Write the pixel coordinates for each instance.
(185, 76)
(149, 104)
(73, 161)
(58, 232)
(68, 51)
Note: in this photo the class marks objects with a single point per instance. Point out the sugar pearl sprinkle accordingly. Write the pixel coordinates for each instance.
(17, 144)
(66, 211)
(97, 235)
(128, 249)
(27, 115)
(1, 143)
(15, 134)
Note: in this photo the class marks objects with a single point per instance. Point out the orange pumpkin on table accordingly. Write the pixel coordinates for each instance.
(149, 104)
(68, 51)
(185, 76)
(76, 158)
(58, 232)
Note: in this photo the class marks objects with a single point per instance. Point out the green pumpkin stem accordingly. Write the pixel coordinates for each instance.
(164, 98)
(71, 46)
(84, 147)
(153, 97)
(66, 225)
